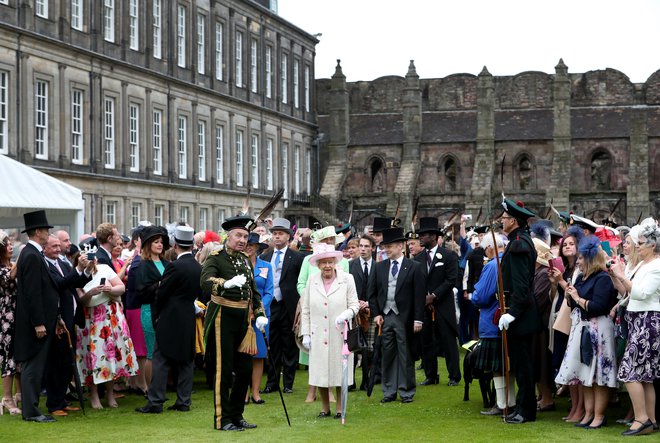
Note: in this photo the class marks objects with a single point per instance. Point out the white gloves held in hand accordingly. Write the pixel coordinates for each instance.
(307, 342)
(235, 282)
(505, 321)
(340, 320)
(261, 322)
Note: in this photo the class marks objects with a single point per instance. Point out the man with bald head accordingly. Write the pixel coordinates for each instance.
(65, 245)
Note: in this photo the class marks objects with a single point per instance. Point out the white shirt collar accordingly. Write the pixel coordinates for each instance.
(183, 253)
(367, 262)
(283, 250)
(36, 245)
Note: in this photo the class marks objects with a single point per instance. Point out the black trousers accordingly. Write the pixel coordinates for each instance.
(31, 378)
(439, 335)
(59, 372)
(283, 347)
(522, 367)
(233, 369)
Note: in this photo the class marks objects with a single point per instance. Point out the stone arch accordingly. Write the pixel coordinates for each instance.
(377, 174)
(524, 171)
(600, 162)
(449, 173)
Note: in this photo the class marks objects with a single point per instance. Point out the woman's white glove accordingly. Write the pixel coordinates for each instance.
(340, 320)
(261, 322)
(307, 342)
(235, 282)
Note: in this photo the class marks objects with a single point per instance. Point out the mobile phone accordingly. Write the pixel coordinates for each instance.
(102, 281)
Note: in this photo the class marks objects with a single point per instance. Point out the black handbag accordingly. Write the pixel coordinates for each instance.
(356, 340)
(586, 349)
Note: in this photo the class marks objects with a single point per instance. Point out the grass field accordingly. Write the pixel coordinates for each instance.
(438, 413)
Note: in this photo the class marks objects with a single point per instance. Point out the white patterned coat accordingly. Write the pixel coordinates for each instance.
(319, 312)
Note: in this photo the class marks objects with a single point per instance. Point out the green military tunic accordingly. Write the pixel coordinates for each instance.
(225, 326)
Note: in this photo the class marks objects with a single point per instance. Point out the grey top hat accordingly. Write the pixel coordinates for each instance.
(183, 235)
(281, 224)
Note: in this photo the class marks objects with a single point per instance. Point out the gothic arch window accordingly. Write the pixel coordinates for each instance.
(601, 168)
(450, 170)
(525, 172)
(376, 173)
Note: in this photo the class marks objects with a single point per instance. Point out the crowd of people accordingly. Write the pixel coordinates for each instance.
(574, 309)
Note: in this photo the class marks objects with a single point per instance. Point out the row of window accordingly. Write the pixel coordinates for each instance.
(111, 214)
(201, 131)
(202, 25)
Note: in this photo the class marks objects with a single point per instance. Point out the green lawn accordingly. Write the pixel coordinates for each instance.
(437, 414)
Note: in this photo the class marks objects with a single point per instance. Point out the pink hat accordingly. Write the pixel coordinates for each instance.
(323, 250)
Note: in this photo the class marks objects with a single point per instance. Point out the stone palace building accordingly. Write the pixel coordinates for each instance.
(157, 109)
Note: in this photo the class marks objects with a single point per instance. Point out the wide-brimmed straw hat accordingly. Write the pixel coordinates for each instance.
(327, 232)
(323, 250)
(543, 253)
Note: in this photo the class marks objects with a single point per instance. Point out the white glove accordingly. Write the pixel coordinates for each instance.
(307, 342)
(505, 321)
(340, 320)
(261, 322)
(235, 282)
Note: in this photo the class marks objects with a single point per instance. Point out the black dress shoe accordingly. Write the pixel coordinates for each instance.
(387, 399)
(584, 425)
(452, 382)
(516, 420)
(41, 419)
(288, 391)
(150, 409)
(245, 425)
(513, 413)
(352, 387)
(406, 399)
(324, 414)
(429, 381)
(601, 425)
(231, 427)
(261, 401)
(181, 408)
(268, 390)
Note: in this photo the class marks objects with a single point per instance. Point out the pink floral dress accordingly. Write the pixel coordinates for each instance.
(105, 350)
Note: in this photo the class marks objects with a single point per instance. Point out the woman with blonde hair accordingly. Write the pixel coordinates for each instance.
(590, 358)
(105, 349)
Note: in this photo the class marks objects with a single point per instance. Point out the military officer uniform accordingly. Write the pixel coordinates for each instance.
(229, 337)
(522, 319)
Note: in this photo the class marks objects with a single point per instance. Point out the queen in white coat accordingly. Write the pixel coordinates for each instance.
(329, 300)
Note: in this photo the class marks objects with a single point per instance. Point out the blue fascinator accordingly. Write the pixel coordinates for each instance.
(589, 247)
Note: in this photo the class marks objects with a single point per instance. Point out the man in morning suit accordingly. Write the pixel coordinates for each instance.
(174, 311)
(396, 298)
(522, 320)
(286, 264)
(67, 279)
(36, 314)
(360, 268)
(440, 328)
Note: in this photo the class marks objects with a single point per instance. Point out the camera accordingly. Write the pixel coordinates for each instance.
(609, 264)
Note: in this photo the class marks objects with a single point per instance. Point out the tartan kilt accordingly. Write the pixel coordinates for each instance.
(371, 335)
(489, 356)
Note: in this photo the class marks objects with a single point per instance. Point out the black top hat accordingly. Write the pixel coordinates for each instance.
(237, 222)
(35, 220)
(392, 235)
(516, 209)
(382, 223)
(150, 232)
(342, 228)
(430, 225)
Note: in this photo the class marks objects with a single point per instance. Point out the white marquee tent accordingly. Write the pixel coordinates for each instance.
(25, 189)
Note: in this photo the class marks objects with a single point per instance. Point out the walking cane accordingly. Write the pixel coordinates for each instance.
(272, 365)
(502, 306)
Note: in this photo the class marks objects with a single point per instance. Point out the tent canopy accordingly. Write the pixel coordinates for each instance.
(26, 189)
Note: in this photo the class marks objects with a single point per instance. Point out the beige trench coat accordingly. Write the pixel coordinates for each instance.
(319, 312)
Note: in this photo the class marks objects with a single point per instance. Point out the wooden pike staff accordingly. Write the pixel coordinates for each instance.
(502, 307)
